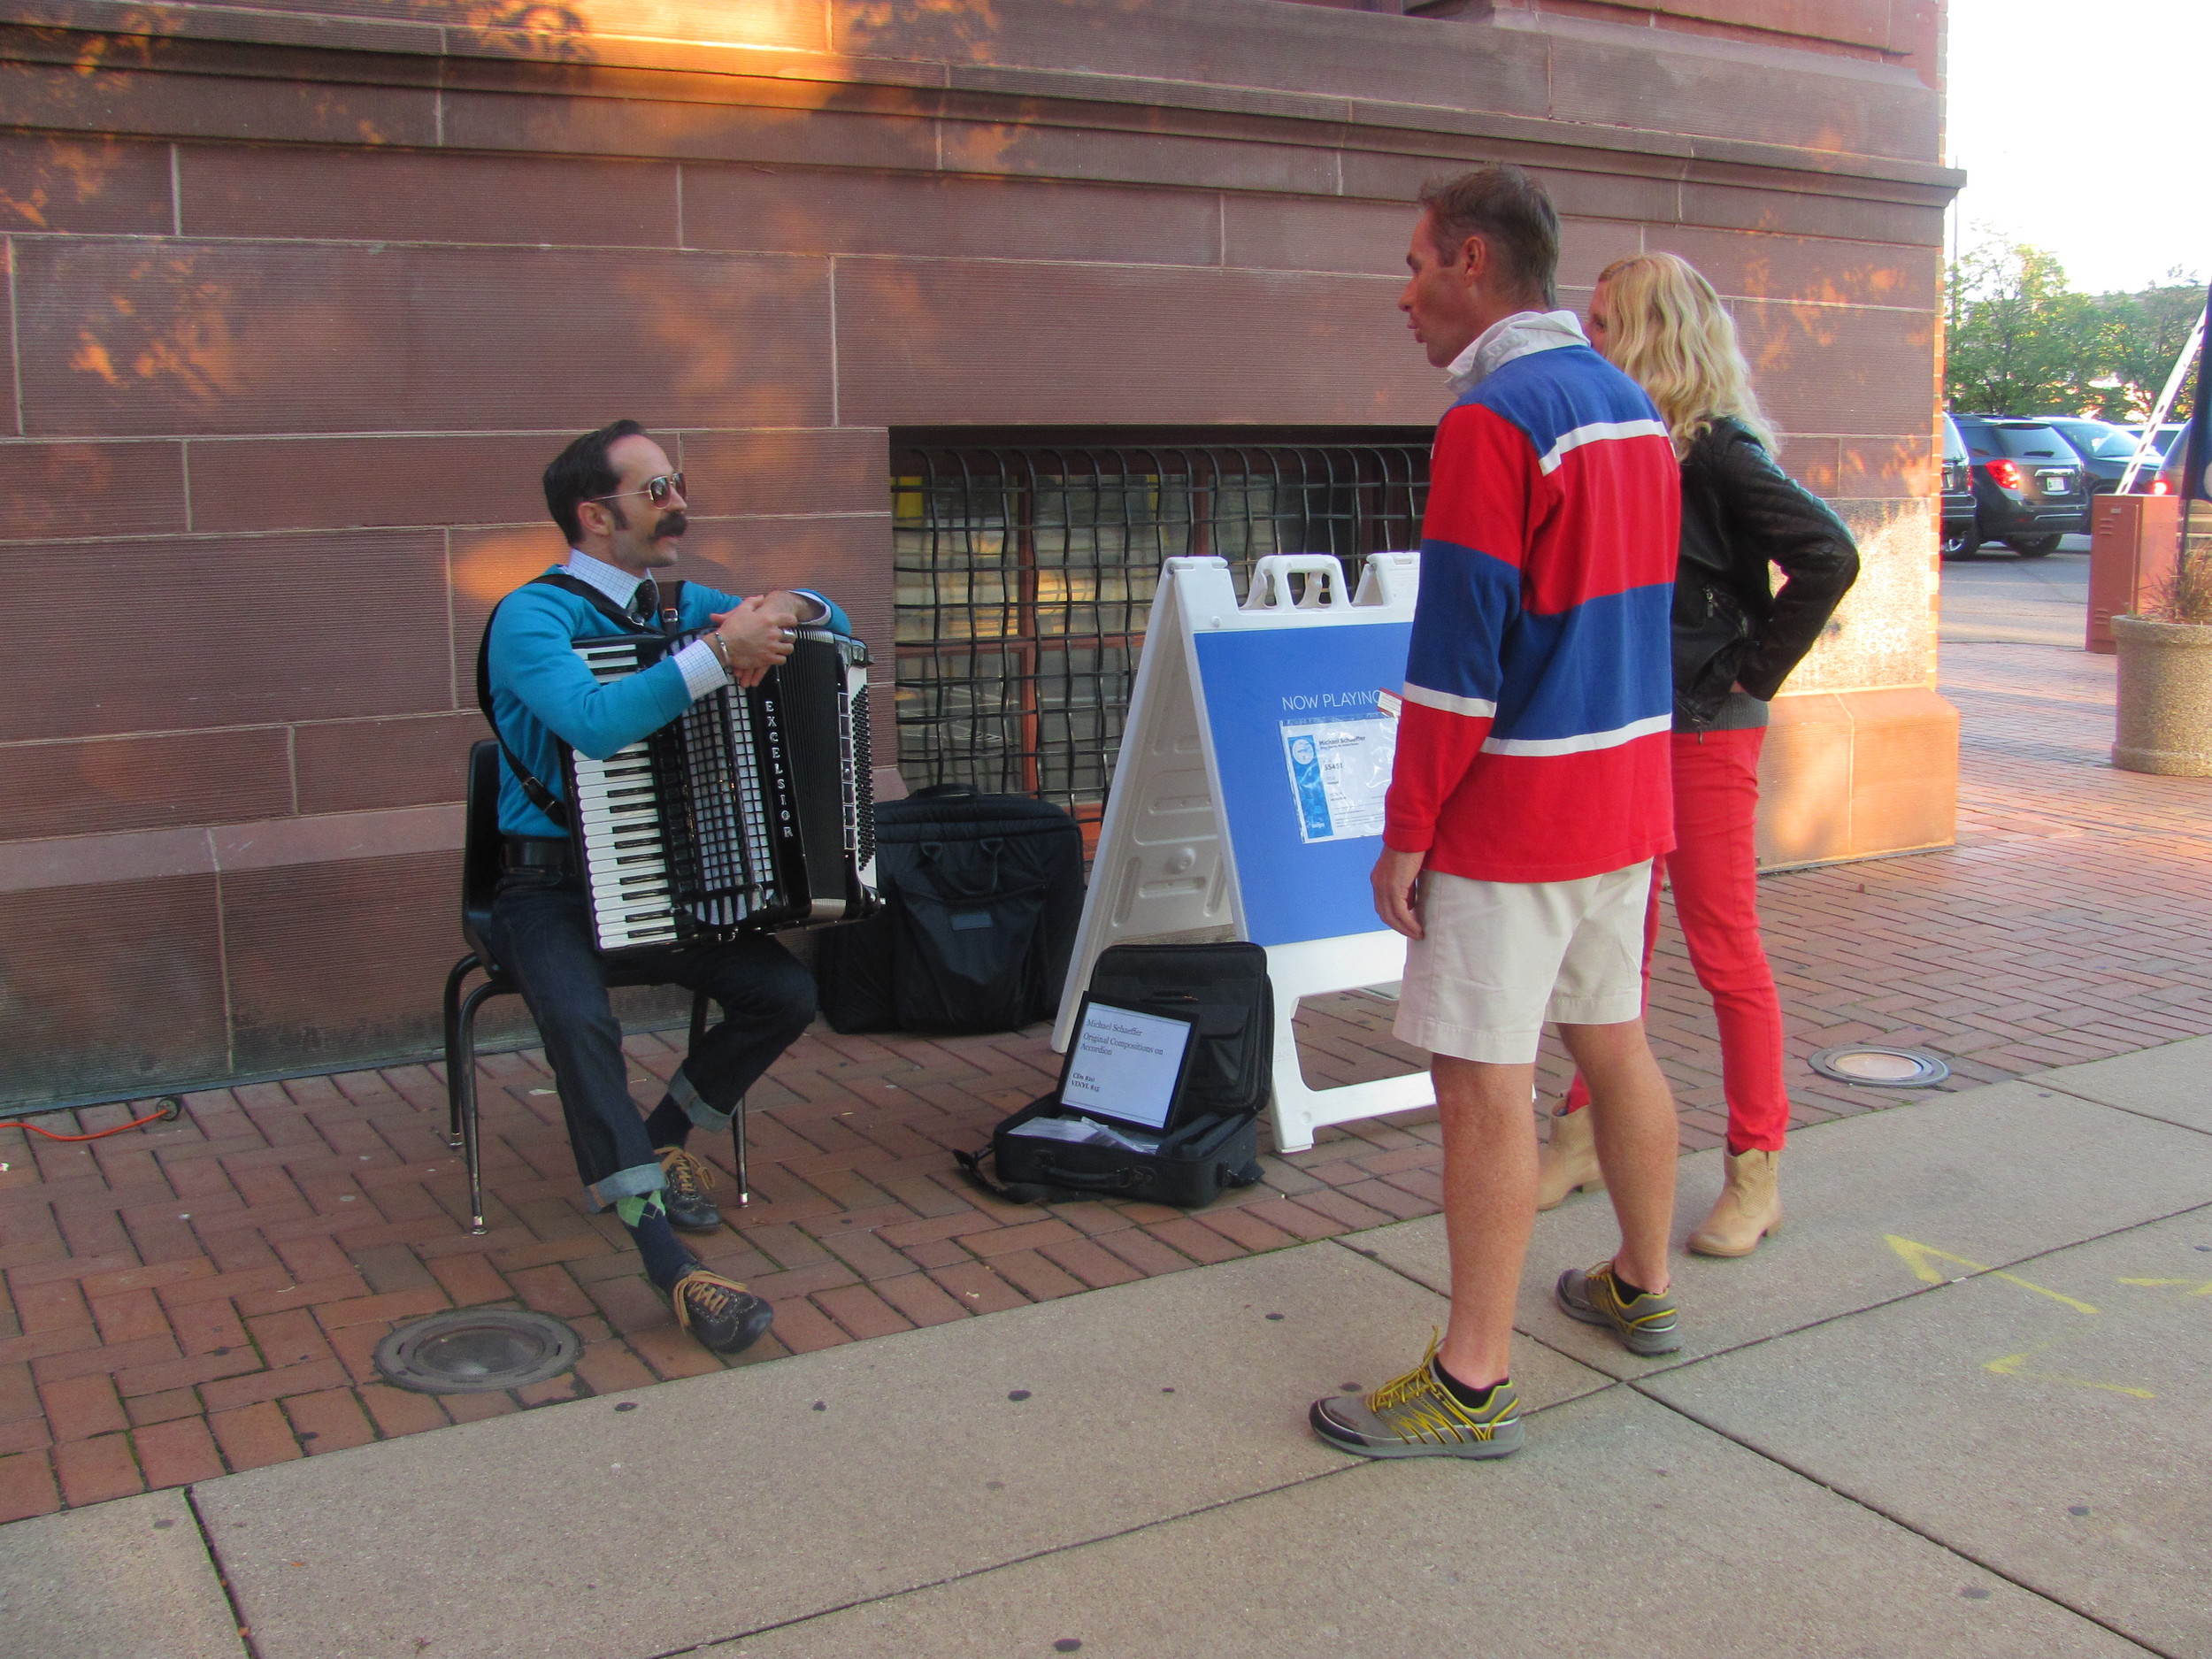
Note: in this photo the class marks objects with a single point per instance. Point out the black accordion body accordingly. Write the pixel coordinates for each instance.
(751, 812)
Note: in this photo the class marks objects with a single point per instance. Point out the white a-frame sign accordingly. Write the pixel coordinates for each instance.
(1247, 797)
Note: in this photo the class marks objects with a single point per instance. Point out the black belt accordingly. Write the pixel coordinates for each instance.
(534, 852)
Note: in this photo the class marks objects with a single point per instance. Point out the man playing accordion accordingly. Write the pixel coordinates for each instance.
(621, 505)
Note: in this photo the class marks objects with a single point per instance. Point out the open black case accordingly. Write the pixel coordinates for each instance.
(1209, 1137)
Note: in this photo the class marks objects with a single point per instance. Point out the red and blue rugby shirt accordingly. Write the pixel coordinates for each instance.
(1539, 693)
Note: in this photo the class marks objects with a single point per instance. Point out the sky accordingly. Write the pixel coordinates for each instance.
(2074, 124)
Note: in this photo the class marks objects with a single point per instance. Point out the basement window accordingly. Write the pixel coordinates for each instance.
(1024, 569)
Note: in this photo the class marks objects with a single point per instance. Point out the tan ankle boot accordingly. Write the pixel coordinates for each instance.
(1749, 1207)
(1570, 1164)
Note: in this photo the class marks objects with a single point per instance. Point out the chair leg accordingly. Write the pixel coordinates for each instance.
(454, 1059)
(737, 1134)
(471, 1151)
(737, 1117)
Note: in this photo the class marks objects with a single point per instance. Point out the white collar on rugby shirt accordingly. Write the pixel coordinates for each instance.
(1507, 338)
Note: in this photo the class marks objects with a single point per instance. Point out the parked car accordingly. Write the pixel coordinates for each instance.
(2028, 488)
(2104, 449)
(1961, 538)
(2167, 442)
(2167, 480)
(2167, 434)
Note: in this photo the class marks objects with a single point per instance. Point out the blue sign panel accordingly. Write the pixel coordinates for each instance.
(1303, 751)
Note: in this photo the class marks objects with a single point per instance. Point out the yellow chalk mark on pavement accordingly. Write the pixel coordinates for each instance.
(2013, 1366)
(2198, 1288)
(1922, 1258)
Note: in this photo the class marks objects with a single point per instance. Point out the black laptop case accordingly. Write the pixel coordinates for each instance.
(1212, 1140)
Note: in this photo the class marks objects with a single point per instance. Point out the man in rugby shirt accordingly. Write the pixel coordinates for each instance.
(1530, 795)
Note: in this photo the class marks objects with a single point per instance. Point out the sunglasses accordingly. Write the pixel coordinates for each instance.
(657, 489)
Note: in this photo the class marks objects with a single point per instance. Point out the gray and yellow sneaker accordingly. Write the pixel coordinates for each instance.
(1648, 1324)
(685, 1197)
(1419, 1416)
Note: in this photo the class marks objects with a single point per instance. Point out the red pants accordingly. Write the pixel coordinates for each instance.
(1714, 871)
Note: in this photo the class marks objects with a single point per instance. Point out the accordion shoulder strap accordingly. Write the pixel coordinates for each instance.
(672, 606)
(539, 796)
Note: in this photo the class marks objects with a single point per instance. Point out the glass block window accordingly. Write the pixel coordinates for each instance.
(1024, 573)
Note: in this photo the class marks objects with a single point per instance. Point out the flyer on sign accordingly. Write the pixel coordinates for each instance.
(1339, 772)
(1125, 1064)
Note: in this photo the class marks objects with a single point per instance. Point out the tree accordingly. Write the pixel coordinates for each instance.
(2023, 343)
(2143, 334)
(2020, 342)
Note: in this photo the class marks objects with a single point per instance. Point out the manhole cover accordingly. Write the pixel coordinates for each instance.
(475, 1349)
(1885, 1068)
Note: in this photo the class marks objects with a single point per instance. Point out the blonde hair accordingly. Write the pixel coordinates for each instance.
(1667, 330)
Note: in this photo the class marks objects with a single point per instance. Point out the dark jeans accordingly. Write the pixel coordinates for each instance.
(541, 928)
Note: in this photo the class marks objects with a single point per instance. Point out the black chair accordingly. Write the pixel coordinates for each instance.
(480, 879)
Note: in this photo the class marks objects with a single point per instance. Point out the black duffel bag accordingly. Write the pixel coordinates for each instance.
(982, 894)
(1209, 1142)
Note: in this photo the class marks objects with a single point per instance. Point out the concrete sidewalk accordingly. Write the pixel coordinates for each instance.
(1962, 1406)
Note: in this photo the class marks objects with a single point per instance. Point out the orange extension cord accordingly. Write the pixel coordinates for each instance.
(170, 1109)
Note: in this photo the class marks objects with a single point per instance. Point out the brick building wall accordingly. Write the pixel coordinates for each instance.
(301, 298)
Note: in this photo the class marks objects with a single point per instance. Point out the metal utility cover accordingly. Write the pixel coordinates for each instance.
(1880, 1067)
(474, 1350)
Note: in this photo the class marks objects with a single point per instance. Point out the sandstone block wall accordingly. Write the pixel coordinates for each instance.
(302, 295)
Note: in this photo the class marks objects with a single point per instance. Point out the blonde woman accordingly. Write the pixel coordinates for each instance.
(1735, 642)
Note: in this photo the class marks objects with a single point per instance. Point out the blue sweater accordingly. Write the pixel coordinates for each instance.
(541, 688)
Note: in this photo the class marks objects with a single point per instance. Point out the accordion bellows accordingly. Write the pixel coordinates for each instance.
(749, 812)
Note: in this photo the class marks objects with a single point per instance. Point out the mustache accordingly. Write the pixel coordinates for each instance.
(672, 524)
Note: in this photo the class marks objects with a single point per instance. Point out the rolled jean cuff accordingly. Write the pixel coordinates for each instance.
(695, 1107)
(639, 1177)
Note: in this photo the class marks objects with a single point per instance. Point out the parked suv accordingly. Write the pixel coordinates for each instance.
(2169, 481)
(2028, 486)
(1961, 539)
(2166, 444)
(2104, 449)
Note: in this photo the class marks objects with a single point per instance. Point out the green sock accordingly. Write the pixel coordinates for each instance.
(637, 1206)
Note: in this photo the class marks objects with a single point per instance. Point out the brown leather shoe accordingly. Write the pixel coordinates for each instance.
(685, 1197)
(1748, 1209)
(1570, 1164)
(720, 1314)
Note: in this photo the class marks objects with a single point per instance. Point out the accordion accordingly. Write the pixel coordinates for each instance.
(749, 812)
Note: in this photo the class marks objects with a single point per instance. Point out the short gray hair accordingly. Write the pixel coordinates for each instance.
(1513, 215)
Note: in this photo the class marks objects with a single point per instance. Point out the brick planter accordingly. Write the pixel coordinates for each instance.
(2164, 711)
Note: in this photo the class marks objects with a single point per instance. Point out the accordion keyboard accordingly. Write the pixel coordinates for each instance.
(618, 816)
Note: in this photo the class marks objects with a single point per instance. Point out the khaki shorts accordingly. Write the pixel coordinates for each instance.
(1499, 959)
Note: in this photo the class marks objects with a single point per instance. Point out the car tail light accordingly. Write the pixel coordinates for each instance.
(2006, 473)
(2160, 487)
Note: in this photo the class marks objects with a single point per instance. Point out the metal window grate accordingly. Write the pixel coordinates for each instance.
(1024, 574)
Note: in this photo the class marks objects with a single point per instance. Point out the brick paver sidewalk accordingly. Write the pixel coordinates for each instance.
(206, 1295)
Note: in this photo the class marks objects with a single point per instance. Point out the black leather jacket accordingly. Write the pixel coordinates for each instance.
(1739, 510)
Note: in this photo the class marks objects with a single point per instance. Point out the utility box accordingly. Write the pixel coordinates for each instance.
(2131, 543)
